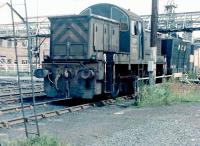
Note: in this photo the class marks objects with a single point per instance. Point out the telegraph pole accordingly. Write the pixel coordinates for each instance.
(154, 29)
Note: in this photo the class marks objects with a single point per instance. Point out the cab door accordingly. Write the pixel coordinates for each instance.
(105, 37)
(114, 38)
(98, 36)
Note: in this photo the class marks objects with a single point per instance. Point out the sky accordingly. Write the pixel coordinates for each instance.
(65, 7)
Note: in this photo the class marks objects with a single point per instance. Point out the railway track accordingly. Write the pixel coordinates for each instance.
(13, 88)
(27, 106)
(11, 98)
(10, 94)
(13, 84)
(52, 113)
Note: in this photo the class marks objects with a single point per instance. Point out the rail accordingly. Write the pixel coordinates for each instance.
(12, 88)
(12, 98)
(53, 113)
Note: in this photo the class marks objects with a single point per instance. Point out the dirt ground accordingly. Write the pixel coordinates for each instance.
(122, 125)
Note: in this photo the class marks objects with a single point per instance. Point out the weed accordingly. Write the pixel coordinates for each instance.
(36, 141)
(168, 93)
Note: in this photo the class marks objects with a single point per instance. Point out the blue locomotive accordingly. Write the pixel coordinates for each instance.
(100, 51)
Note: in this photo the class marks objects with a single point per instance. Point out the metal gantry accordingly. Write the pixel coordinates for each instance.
(175, 22)
(171, 22)
(38, 27)
(187, 21)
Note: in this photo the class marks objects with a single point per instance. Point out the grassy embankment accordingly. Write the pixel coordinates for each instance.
(168, 93)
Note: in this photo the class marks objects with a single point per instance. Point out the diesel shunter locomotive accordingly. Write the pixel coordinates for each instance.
(100, 51)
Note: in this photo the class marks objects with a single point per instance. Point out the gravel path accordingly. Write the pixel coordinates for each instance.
(116, 125)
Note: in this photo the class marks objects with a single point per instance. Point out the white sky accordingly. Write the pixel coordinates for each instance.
(65, 7)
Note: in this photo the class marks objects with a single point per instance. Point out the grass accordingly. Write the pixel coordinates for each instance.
(192, 75)
(119, 100)
(168, 93)
(36, 141)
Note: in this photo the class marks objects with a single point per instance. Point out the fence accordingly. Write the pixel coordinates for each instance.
(12, 68)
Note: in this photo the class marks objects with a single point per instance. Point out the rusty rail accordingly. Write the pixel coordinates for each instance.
(53, 113)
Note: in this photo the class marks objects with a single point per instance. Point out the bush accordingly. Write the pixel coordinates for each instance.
(192, 75)
(154, 95)
(36, 141)
(168, 93)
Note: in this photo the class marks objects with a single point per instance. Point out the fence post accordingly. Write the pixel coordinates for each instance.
(136, 89)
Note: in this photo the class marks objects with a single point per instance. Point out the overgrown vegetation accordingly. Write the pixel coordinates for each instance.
(192, 75)
(168, 93)
(37, 141)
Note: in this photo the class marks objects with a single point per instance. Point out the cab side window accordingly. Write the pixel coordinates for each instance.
(139, 27)
(132, 27)
(136, 28)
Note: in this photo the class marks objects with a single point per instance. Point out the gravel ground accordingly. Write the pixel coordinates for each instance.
(119, 125)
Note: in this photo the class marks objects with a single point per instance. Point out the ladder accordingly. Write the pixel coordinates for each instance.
(28, 131)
